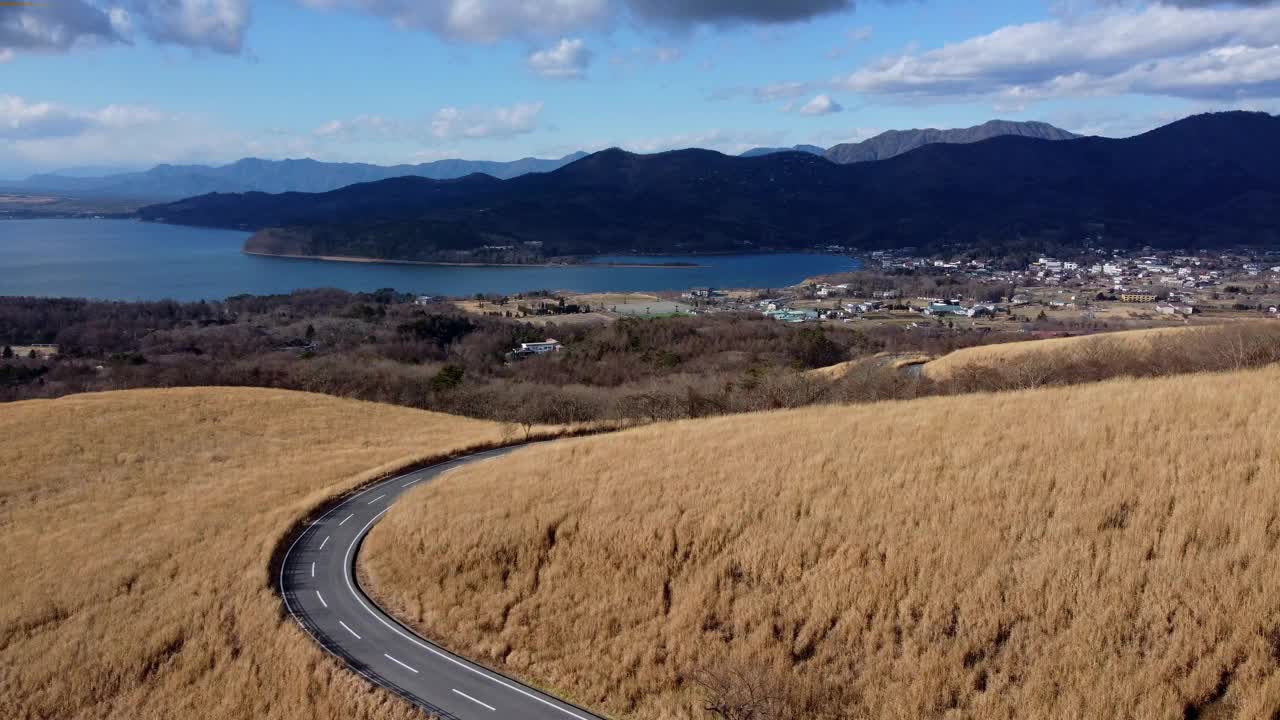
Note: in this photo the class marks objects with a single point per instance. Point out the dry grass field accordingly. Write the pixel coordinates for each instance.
(1101, 551)
(137, 530)
(1118, 342)
(986, 355)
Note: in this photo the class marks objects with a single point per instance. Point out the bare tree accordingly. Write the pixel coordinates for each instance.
(739, 692)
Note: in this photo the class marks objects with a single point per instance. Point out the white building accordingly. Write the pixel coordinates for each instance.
(539, 348)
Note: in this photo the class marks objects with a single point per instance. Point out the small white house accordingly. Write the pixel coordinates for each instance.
(539, 348)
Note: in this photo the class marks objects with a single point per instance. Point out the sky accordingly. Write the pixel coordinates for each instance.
(127, 84)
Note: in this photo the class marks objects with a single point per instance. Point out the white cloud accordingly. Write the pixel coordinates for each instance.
(55, 27)
(61, 26)
(37, 135)
(685, 12)
(452, 123)
(1158, 50)
(445, 124)
(664, 55)
(217, 25)
(821, 105)
(490, 20)
(480, 20)
(730, 142)
(566, 59)
(362, 126)
(852, 37)
(20, 120)
(780, 91)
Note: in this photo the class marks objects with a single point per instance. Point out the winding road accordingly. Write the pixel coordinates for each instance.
(318, 584)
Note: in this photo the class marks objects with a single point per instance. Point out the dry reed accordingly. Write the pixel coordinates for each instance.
(138, 527)
(1100, 551)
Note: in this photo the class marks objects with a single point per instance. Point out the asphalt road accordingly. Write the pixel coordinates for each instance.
(319, 588)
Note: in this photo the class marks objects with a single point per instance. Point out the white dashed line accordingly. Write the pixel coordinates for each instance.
(443, 656)
(411, 482)
(344, 520)
(348, 629)
(406, 667)
(375, 500)
(326, 542)
(322, 602)
(481, 704)
(313, 569)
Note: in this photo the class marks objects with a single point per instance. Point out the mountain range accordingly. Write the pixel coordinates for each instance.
(1208, 179)
(757, 152)
(896, 142)
(171, 182)
(276, 176)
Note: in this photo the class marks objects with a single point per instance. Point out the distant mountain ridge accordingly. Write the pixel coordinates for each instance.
(171, 182)
(757, 152)
(896, 142)
(278, 176)
(1208, 180)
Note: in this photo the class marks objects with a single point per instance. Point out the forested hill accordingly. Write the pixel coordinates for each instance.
(1203, 180)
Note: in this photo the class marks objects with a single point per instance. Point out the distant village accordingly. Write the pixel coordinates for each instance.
(1100, 286)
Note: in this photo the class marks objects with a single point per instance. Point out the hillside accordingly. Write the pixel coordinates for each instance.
(1051, 349)
(277, 176)
(1096, 551)
(138, 528)
(896, 142)
(1207, 180)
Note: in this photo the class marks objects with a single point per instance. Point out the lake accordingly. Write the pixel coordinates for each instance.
(128, 260)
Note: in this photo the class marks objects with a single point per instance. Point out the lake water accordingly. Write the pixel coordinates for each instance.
(127, 260)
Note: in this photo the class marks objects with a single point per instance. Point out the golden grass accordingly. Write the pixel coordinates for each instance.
(897, 361)
(137, 530)
(1101, 551)
(986, 355)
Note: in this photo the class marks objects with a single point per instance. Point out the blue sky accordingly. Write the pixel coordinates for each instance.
(138, 82)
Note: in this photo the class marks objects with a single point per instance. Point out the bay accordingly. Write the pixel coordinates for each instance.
(128, 260)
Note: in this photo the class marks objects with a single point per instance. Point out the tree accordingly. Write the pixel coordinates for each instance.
(811, 348)
(8, 353)
(311, 332)
(743, 693)
(449, 377)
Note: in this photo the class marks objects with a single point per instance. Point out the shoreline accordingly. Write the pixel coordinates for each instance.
(381, 261)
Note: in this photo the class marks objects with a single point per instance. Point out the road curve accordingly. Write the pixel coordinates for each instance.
(318, 584)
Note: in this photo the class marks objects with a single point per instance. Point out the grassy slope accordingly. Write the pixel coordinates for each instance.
(983, 355)
(137, 529)
(1108, 550)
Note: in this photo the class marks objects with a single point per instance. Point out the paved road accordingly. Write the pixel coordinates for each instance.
(320, 591)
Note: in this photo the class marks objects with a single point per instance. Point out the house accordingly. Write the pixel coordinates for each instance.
(887, 294)
(539, 348)
(1169, 309)
(424, 300)
(1137, 297)
(944, 309)
(793, 316)
(701, 292)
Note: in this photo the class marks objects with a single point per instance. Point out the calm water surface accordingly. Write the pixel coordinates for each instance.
(127, 260)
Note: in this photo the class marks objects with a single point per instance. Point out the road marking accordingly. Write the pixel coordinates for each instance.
(406, 667)
(313, 569)
(353, 632)
(481, 704)
(326, 542)
(344, 521)
(412, 482)
(322, 602)
(438, 653)
(375, 500)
